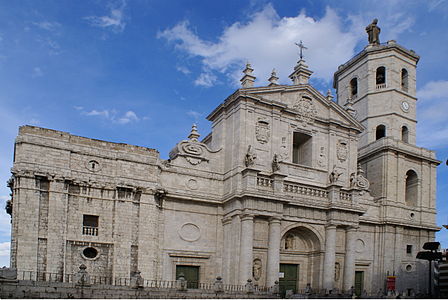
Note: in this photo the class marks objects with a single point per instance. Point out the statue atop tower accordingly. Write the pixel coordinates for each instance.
(374, 32)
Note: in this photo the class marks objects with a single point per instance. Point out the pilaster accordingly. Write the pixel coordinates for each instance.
(246, 252)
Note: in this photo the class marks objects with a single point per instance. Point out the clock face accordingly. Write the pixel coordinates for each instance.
(405, 106)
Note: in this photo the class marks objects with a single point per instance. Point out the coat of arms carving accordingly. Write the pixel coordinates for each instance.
(342, 150)
(306, 110)
(262, 131)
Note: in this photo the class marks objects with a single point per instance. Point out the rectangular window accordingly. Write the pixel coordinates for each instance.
(409, 249)
(90, 225)
(301, 149)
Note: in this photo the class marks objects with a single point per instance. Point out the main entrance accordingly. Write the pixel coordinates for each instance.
(290, 278)
(191, 274)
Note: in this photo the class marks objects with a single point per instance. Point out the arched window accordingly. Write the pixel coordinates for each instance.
(405, 134)
(411, 191)
(380, 131)
(404, 80)
(381, 76)
(354, 87)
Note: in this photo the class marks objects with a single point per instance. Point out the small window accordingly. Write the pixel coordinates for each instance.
(302, 149)
(380, 131)
(90, 225)
(381, 75)
(90, 252)
(354, 87)
(405, 134)
(409, 249)
(404, 80)
(124, 193)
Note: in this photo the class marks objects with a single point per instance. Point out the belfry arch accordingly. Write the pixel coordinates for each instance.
(301, 250)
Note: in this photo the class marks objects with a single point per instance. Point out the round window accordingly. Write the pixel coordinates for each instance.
(409, 268)
(90, 252)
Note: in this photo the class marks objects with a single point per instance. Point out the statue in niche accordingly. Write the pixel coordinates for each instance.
(249, 159)
(337, 271)
(256, 271)
(289, 242)
(334, 175)
(374, 32)
(275, 165)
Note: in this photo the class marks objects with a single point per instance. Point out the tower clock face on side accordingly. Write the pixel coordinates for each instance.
(405, 106)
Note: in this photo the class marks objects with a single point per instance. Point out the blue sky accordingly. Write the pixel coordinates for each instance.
(141, 72)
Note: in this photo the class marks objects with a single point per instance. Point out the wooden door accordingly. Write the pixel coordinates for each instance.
(359, 282)
(290, 278)
(191, 274)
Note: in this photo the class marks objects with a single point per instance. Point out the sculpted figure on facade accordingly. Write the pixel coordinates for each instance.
(374, 32)
(334, 175)
(249, 159)
(275, 164)
(257, 269)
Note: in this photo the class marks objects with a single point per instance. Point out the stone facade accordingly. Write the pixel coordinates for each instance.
(287, 178)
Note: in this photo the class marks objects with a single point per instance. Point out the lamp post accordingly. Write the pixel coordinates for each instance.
(430, 255)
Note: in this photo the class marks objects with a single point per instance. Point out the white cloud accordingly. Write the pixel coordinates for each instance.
(205, 79)
(432, 130)
(129, 116)
(268, 41)
(111, 115)
(183, 69)
(114, 21)
(4, 248)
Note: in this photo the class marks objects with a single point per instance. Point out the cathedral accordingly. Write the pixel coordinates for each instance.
(289, 185)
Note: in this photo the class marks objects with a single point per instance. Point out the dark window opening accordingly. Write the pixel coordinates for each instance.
(190, 273)
(405, 134)
(381, 75)
(404, 80)
(411, 191)
(90, 225)
(90, 252)
(409, 249)
(354, 87)
(302, 149)
(380, 131)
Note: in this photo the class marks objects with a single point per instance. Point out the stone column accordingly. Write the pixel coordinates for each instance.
(246, 255)
(273, 264)
(330, 256)
(227, 224)
(349, 261)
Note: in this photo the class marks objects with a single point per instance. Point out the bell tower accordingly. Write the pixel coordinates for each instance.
(380, 85)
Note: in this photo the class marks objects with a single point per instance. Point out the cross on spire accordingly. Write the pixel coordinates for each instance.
(301, 46)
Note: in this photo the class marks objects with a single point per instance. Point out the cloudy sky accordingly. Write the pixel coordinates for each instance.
(141, 72)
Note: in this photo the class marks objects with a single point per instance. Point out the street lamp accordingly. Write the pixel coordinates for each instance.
(430, 255)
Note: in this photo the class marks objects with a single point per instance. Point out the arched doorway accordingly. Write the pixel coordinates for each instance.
(300, 259)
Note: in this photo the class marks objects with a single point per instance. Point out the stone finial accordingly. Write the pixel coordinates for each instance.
(137, 280)
(301, 73)
(273, 79)
(249, 287)
(181, 283)
(248, 79)
(82, 277)
(194, 134)
(218, 285)
(329, 95)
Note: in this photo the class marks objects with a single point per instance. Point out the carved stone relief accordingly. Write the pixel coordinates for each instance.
(342, 150)
(334, 175)
(322, 159)
(305, 108)
(262, 131)
(284, 153)
(192, 184)
(189, 232)
(358, 181)
(257, 269)
(275, 164)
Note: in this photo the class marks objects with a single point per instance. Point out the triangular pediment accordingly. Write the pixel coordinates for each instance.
(307, 104)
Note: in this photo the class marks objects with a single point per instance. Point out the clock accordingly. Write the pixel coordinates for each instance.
(405, 106)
